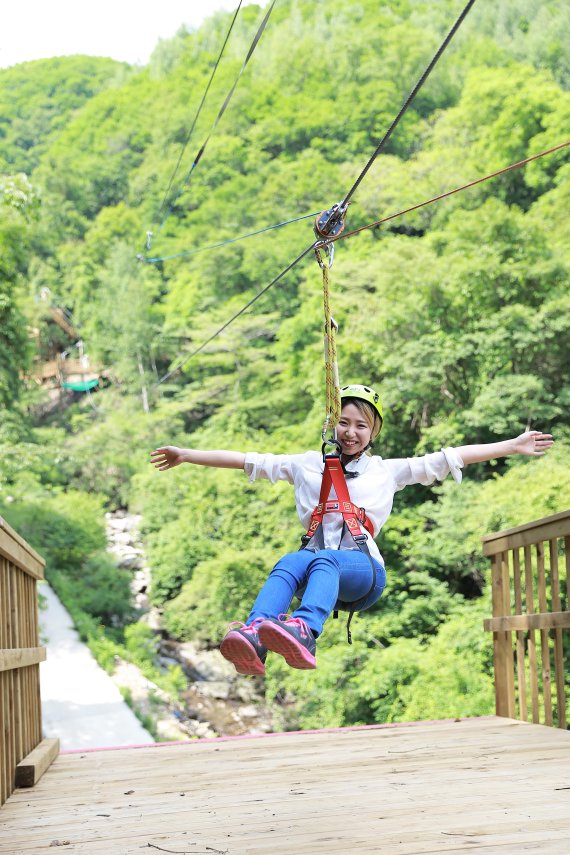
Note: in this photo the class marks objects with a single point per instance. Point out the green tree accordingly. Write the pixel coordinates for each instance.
(18, 206)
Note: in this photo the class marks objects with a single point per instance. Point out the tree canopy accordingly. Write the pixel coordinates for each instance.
(459, 312)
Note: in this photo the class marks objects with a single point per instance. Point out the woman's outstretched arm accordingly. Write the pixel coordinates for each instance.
(169, 456)
(532, 442)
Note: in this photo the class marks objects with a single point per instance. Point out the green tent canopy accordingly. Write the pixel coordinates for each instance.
(86, 386)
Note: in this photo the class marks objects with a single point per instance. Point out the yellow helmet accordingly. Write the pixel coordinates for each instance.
(364, 393)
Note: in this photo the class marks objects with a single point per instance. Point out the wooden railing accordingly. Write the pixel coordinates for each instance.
(531, 593)
(20, 655)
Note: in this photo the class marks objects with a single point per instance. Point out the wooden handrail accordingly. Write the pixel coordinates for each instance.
(20, 655)
(557, 525)
(18, 552)
(529, 565)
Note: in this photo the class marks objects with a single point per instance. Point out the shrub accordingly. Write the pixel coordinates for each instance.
(65, 528)
(215, 595)
(104, 590)
(141, 643)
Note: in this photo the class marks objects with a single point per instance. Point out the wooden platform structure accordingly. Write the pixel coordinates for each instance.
(490, 786)
(487, 786)
(59, 371)
(63, 372)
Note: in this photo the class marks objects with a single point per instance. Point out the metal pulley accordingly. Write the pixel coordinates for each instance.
(330, 223)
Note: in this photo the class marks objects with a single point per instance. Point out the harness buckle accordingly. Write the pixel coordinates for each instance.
(331, 441)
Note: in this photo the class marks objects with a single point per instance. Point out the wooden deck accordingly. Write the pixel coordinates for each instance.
(489, 786)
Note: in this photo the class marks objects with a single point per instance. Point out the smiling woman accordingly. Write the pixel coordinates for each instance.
(64, 28)
(339, 565)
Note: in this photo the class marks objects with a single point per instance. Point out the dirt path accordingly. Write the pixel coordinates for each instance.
(80, 703)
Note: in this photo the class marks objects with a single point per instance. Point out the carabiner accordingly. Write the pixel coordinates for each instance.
(329, 249)
(332, 440)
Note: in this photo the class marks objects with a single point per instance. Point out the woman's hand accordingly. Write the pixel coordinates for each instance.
(168, 457)
(532, 442)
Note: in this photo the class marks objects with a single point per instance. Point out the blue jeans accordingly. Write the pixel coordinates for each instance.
(323, 580)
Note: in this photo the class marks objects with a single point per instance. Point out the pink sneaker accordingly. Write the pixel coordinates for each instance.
(242, 647)
(292, 638)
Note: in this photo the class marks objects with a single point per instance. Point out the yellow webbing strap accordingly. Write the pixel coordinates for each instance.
(332, 407)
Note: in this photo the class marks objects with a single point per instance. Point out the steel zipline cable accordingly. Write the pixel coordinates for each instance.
(381, 145)
(237, 315)
(221, 112)
(378, 150)
(340, 209)
(196, 117)
(189, 252)
(449, 192)
(337, 212)
(375, 224)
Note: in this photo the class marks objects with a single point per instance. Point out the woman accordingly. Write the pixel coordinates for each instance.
(340, 574)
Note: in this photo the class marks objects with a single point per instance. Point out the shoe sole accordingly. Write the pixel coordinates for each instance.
(280, 641)
(243, 655)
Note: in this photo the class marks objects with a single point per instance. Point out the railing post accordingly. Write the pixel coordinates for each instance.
(531, 643)
(558, 642)
(502, 642)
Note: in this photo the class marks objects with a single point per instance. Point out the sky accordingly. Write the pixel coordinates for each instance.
(121, 29)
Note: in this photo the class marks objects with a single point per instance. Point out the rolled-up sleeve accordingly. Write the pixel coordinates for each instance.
(273, 467)
(427, 469)
(455, 463)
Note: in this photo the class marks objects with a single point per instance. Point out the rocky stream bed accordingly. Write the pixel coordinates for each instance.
(217, 701)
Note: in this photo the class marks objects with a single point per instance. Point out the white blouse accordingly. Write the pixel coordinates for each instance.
(374, 488)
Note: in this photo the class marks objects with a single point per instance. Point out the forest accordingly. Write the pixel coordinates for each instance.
(458, 313)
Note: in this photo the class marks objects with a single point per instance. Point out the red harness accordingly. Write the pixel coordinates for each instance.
(353, 516)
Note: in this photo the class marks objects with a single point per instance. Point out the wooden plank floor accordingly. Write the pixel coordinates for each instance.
(487, 786)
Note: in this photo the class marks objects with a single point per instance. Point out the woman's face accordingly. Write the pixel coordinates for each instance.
(352, 431)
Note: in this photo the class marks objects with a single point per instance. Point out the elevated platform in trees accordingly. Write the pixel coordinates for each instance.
(489, 786)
